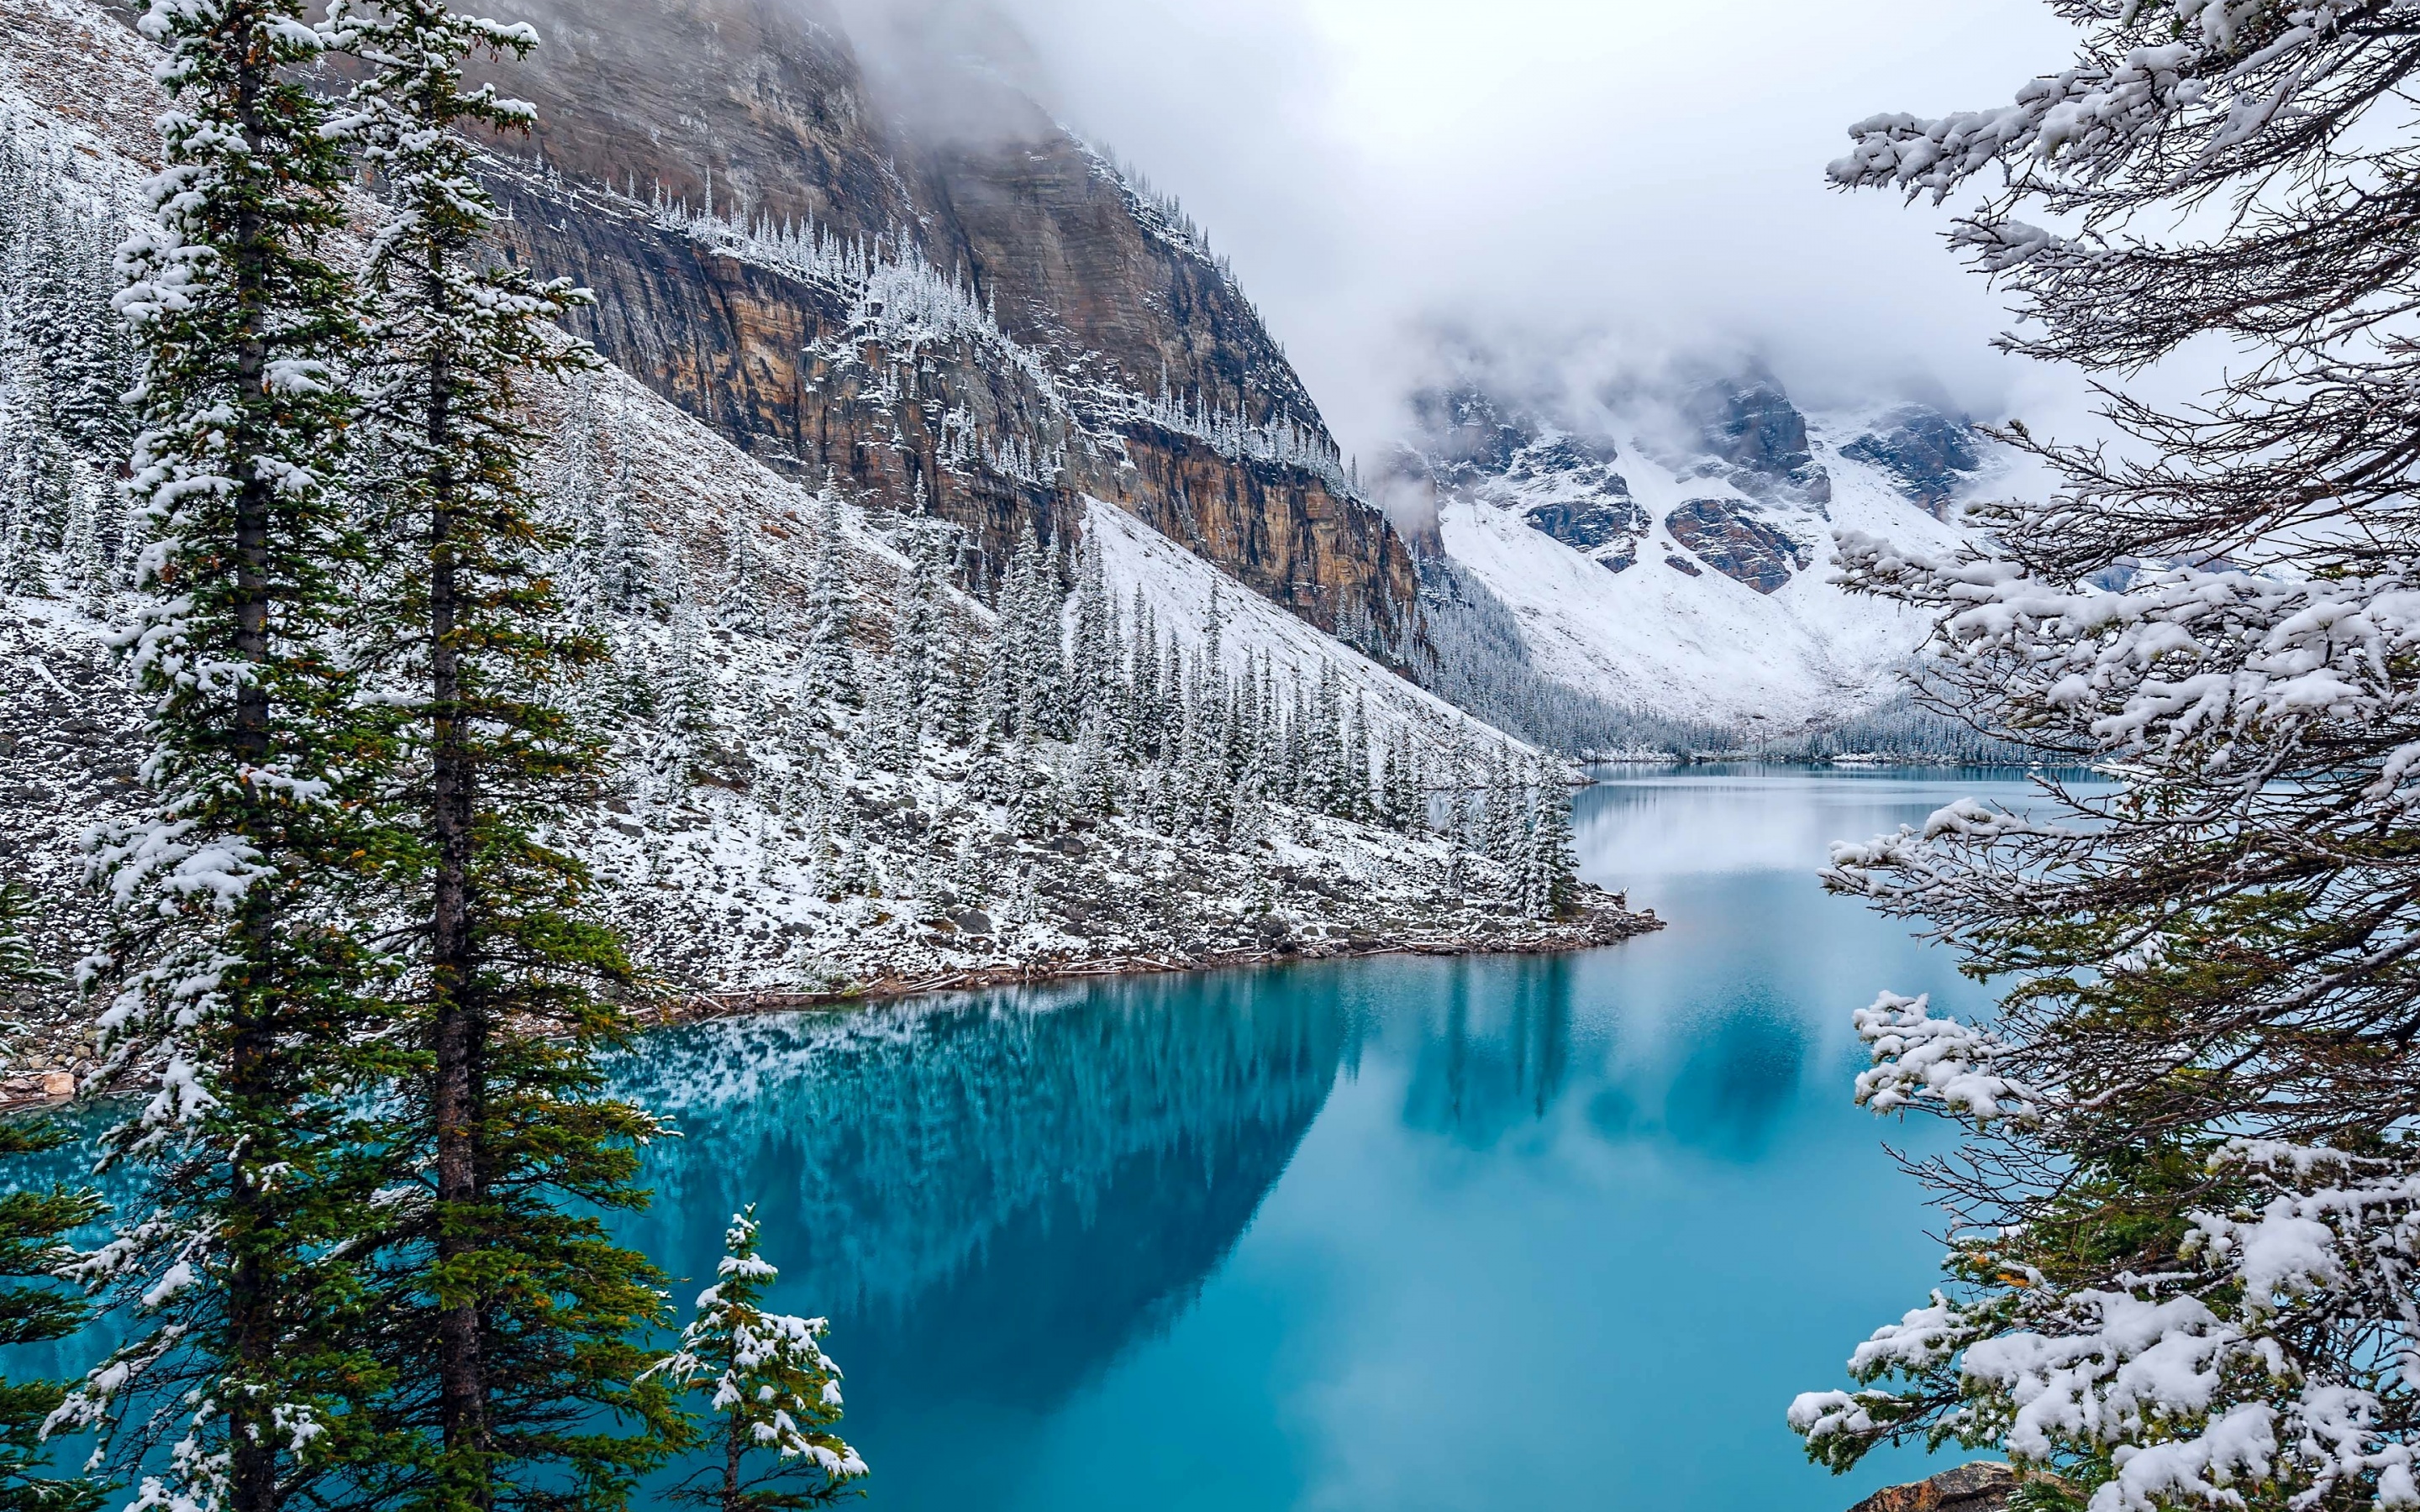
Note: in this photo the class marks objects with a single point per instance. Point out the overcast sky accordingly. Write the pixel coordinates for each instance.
(1647, 176)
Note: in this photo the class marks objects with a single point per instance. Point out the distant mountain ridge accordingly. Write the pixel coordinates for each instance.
(1669, 552)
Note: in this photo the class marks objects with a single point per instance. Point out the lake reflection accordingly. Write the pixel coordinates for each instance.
(1539, 1234)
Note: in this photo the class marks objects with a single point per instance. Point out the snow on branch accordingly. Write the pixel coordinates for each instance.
(1919, 1059)
(2215, 73)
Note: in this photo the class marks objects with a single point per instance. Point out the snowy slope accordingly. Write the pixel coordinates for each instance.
(1178, 587)
(1692, 580)
(751, 836)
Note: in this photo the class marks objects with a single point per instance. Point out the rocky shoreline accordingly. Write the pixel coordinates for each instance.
(1984, 1485)
(57, 1058)
(1607, 924)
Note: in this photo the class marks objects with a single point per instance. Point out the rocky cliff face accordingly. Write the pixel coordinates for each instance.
(1757, 441)
(966, 311)
(1930, 455)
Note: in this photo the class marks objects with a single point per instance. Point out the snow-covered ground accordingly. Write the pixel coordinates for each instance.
(1178, 586)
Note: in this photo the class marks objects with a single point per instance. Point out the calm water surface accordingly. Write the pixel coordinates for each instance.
(1393, 1234)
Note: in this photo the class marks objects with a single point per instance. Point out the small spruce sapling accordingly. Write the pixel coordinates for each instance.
(765, 1376)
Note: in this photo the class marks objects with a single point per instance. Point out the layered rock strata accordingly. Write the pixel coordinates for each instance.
(966, 311)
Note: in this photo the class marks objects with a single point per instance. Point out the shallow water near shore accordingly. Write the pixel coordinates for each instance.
(1536, 1233)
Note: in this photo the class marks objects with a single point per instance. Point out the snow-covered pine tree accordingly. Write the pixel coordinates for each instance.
(1502, 821)
(1386, 804)
(1094, 767)
(852, 871)
(960, 677)
(66, 364)
(1029, 810)
(38, 480)
(1142, 683)
(892, 735)
(915, 648)
(766, 1380)
(1354, 768)
(1092, 663)
(507, 1299)
(1036, 625)
(1552, 864)
(242, 977)
(2185, 1216)
(740, 601)
(34, 1226)
(828, 665)
(682, 682)
(1171, 695)
(1248, 830)
(1002, 674)
(89, 548)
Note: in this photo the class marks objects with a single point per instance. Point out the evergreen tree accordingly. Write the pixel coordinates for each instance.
(765, 1376)
(1094, 660)
(1354, 775)
(1552, 864)
(682, 684)
(242, 977)
(1142, 682)
(829, 672)
(917, 697)
(513, 1310)
(1500, 828)
(33, 1231)
(38, 478)
(1037, 628)
(2184, 1213)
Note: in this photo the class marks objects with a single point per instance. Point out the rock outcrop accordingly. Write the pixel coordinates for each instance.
(1561, 484)
(1929, 455)
(1729, 537)
(1757, 442)
(1983, 1487)
(966, 311)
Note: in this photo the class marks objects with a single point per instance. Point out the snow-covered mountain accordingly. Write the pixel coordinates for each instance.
(1672, 554)
(834, 765)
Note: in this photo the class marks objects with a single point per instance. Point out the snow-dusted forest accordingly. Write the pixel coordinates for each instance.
(831, 765)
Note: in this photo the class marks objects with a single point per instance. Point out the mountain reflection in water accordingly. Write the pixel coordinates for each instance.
(1400, 1233)
(1006, 1189)
(1405, 1234)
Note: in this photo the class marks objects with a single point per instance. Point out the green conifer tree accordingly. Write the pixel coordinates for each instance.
(766, 1380)
(33, 1227)
(514, 1314)
(829, 669)
(242, 981)
(1552, 863)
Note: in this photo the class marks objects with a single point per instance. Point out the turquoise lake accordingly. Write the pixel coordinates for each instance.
(1399, 1234)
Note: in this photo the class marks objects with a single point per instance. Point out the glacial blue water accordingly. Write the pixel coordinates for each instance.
(1390, 1235)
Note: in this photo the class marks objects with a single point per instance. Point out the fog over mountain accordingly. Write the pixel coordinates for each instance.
(1607, 183)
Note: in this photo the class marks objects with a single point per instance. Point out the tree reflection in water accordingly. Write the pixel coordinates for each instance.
(991, 1195)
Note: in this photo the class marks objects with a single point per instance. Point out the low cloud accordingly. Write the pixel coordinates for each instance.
(1607, 182)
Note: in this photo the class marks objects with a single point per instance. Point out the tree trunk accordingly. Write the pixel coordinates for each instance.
(251, 1302)
(461, 1031)
(734, 1446)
